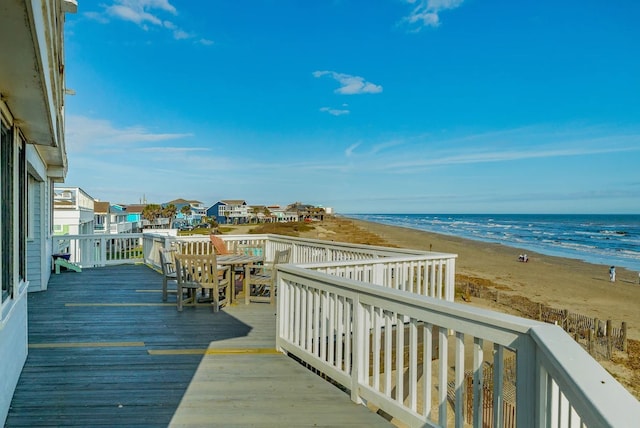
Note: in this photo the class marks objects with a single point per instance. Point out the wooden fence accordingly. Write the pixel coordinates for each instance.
(596, 336)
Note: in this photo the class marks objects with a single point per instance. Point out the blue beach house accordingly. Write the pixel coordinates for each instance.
(229, 211)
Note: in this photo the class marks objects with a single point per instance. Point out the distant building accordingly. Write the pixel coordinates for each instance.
(283, 215)
(73, 211)
(134, 216)
(115, 218)
(196, 210)
(230, 211)
(306, 211)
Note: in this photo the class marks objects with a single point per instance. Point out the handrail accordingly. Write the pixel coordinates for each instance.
(96, 250)
(336, 301)
(338, 326)
(426, 274)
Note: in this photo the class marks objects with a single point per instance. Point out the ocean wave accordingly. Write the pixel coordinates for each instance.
(613, 232)
(597, 239)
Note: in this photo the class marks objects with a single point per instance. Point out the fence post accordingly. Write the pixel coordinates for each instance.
(624, 336)
(539, 311)
(565, 319)
(590, 341)
(596, 326)
(609, 339)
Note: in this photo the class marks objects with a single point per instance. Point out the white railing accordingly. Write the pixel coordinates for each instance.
(350, 311)
(124, 227)
(426, 274)
(355, 333)
(100, 249)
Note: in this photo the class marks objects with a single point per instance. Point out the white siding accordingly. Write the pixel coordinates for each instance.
(13, 350)
(37, 236)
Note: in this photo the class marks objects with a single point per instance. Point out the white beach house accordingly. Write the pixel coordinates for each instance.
(33, 157)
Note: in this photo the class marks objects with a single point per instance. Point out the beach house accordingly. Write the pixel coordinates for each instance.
(188, 211)
(33, 157)
(73, 211)
(114, 218)
(235, 211)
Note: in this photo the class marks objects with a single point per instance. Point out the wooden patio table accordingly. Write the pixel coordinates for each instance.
(235, 260)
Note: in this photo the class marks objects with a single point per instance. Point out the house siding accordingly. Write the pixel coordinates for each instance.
(31, 112)
(35, 256)
(13, 350)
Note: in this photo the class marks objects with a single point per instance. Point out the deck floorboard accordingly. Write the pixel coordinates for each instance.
(105, 351)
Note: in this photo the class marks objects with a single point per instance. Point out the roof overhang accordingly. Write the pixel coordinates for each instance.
(32, 71)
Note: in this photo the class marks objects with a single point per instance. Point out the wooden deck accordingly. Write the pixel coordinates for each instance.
(105, 351)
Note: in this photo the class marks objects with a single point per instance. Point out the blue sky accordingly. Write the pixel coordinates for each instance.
(441, 106)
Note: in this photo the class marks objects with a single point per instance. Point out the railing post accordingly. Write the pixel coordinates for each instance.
(526, 373)
(478, 381)
(358, 344)
(542, 393)
(103, 252)
(451, 280)
(280, 299)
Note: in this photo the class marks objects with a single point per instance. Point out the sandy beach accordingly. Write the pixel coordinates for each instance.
(562, 283)
(555, 281)
(559, 282)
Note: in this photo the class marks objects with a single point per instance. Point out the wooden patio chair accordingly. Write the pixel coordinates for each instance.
(219, 246)
(167, 262)
(261, 279)
(204, 281)
(256, 250)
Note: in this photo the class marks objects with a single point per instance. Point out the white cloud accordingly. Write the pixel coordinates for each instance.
(181, 35)
(334, 112)
(136, 16)
(88, 133)
(144, 13)
(563, 146)
(351, 149)
(96, 17)
(143, 5)
(173, 149)
(426, 13)
(350, 85)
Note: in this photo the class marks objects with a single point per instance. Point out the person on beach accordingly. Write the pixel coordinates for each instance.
(612, 274)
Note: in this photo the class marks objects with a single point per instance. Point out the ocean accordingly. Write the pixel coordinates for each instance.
(612, 240)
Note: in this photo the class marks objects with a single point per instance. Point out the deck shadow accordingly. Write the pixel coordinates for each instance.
(92, 337)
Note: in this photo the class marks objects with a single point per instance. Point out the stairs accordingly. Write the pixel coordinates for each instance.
(66, 264)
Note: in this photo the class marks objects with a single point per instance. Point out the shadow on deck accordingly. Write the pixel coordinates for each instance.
(105, 351)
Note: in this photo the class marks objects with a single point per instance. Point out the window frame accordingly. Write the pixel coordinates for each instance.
(7, 192)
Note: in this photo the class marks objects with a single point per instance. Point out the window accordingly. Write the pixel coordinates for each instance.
(33, 191)
(13, 213)
(22, 210)
(6, 211)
